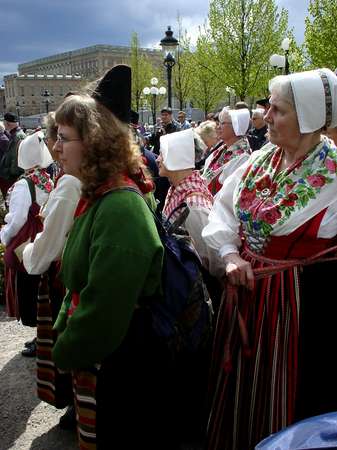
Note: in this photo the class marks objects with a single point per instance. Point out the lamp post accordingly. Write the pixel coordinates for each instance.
(46, 95)
(285, 47)
(154, 91)
(282, 61)
(230, 92)
(169, 45)
(18, 111)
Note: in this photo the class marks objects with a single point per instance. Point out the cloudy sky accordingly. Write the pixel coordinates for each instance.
(45, 27)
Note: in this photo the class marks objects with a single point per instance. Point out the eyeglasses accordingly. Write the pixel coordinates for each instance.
(224, 123)
(63, 140)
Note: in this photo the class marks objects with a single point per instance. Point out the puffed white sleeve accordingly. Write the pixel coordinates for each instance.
(222, 231)
(19, 204)
(58, 218)
(231, 166)
(195, 223)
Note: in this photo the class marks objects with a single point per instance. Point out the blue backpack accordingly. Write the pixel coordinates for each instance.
(184, 317)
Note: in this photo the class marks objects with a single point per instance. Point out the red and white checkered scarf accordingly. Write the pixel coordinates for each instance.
(192, 190)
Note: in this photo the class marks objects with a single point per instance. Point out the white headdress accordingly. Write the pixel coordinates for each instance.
(178, 150)
(240, 119)
(34, 152)
(315, 96)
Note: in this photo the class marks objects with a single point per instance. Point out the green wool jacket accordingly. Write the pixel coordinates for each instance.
(113, 258)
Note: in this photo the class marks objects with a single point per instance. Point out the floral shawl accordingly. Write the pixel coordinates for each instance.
(267, 199)
(40, 178)
(220, 157)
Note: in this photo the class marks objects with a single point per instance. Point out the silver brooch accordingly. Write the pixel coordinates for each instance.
(265, 192)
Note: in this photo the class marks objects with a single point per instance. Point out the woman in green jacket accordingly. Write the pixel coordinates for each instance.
(111, 267)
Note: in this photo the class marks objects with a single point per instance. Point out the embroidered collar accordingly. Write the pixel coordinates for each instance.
(109, 185)
(223, 155)
(40, 178)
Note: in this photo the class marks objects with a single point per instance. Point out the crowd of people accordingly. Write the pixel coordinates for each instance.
(254, 192)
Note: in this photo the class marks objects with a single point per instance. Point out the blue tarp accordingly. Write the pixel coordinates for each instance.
(309, 434)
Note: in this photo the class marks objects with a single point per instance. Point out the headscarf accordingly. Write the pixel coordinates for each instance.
(34, 157)
(315, 96)
(34, 152)
(240, 119)
(178, 150)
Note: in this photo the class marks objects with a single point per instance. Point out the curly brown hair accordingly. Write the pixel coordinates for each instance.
(110, 149)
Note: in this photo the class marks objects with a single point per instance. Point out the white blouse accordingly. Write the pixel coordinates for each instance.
(58, 214)
(194, 224)
(222, 231)
(19, 203)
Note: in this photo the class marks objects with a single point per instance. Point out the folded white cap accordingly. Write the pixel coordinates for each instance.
(177, 150)
(240, 119)
(315, 96)
(34, 152)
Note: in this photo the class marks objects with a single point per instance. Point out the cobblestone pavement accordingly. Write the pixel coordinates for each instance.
(26, 423)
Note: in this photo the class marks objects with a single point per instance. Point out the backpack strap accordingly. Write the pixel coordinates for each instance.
(32, 190)
(157, 219)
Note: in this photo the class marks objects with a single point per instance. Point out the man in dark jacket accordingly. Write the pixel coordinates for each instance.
(162, 183)
(257, 135)
(4, 140)
(167, 126)
(9, 170)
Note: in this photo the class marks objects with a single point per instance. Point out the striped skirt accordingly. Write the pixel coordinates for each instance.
(84, 383)
(53, 387)
(271, 363)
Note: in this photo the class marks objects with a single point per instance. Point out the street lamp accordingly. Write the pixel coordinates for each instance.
(46, 95)
(285, 47)
(230, 92)
(18, 111)
(169, 45)
(281, 61)
(154, 91)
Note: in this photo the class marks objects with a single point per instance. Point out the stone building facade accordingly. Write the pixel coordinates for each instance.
(61, 73)
(25, 94)
(89, 62)
(2, 101)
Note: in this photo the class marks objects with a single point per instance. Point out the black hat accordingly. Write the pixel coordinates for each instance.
(263, 102)
(10, 117)
(167, 109)
(134, 119)
(114, 92)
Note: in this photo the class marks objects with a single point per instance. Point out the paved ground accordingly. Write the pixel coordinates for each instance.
(26, 423)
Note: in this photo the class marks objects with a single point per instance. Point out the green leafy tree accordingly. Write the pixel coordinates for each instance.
(245, 33)
(181, 73)
(320, 33)
(142, 71)
(298, 61)
(207, 88)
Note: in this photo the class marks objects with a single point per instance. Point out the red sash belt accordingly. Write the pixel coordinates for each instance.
(272, 267)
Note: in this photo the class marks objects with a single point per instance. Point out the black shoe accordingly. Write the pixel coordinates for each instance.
(68, 420)
(30, 343)
(30, 351)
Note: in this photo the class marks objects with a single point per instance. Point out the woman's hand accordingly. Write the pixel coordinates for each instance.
(238, 271)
